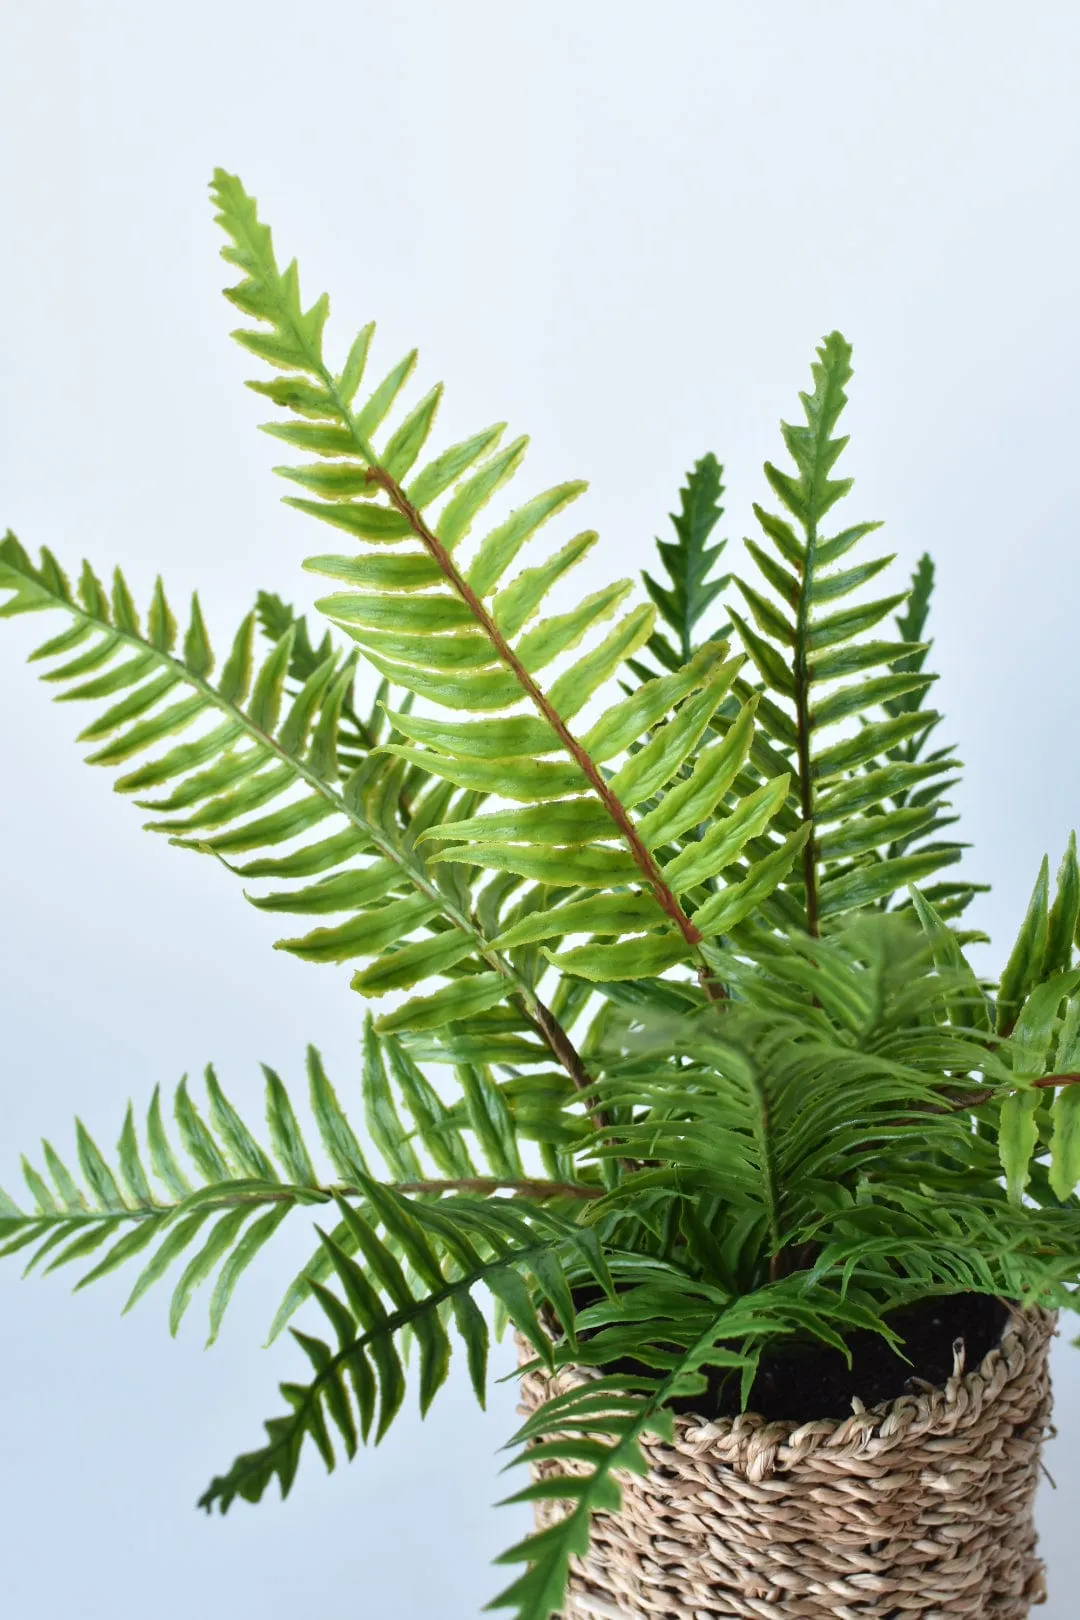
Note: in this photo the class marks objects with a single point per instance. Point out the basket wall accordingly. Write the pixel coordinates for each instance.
(917, 1510)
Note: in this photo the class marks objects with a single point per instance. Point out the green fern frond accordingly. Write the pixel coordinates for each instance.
(276, 620)
(689, 562)
(802, 1089)
(1044, 944)
(209, 1193)
(919, 814)
(451, 1248)
(866, 794)
(257, 769)
(454, 630)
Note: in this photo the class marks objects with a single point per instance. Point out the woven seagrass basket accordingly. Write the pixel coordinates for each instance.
(921, 1509)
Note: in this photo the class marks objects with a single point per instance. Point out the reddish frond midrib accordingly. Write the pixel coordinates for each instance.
(616, 810)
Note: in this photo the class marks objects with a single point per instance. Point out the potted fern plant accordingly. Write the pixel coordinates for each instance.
(682, 1062)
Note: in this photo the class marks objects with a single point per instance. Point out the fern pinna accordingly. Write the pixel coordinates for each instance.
(682, 1054)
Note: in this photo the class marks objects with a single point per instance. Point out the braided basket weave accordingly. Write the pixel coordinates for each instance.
(916, 1510)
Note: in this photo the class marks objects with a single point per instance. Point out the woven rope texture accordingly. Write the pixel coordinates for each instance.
(921, 1509)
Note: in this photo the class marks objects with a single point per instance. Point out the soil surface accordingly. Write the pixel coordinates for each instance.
(800, 1381)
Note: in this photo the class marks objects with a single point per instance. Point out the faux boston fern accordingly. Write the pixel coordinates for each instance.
(683, 1052)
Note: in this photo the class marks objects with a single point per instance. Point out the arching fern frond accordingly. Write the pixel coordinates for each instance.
(209, 1194)
(924, 1242)
(245, 748)
(262, 779)
(450, 1248)
(862, 793)
(456, 631)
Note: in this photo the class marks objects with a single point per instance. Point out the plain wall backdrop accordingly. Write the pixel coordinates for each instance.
(623, 227)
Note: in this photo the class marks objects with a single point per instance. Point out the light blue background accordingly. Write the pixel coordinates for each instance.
(623, 227)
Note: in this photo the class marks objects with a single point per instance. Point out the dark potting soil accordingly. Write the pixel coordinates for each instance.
(803, 1380)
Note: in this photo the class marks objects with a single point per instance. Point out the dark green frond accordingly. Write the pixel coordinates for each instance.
(872, 796)
(689, 562)
(276, 619)
(359, 1383)
(210, 1194)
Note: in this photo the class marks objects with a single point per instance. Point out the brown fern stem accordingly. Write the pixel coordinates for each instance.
(557, 1039)
(1050, 1080)
(975, 1099)
(616, 810)
(568, 1055)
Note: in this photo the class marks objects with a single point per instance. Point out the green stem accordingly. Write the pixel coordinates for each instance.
(771, 1187)
(802, 678)
(484, 1186)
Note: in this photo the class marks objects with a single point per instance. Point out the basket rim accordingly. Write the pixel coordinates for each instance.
(758, 1447)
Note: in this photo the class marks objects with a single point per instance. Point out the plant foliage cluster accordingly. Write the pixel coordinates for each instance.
(683, 1052)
